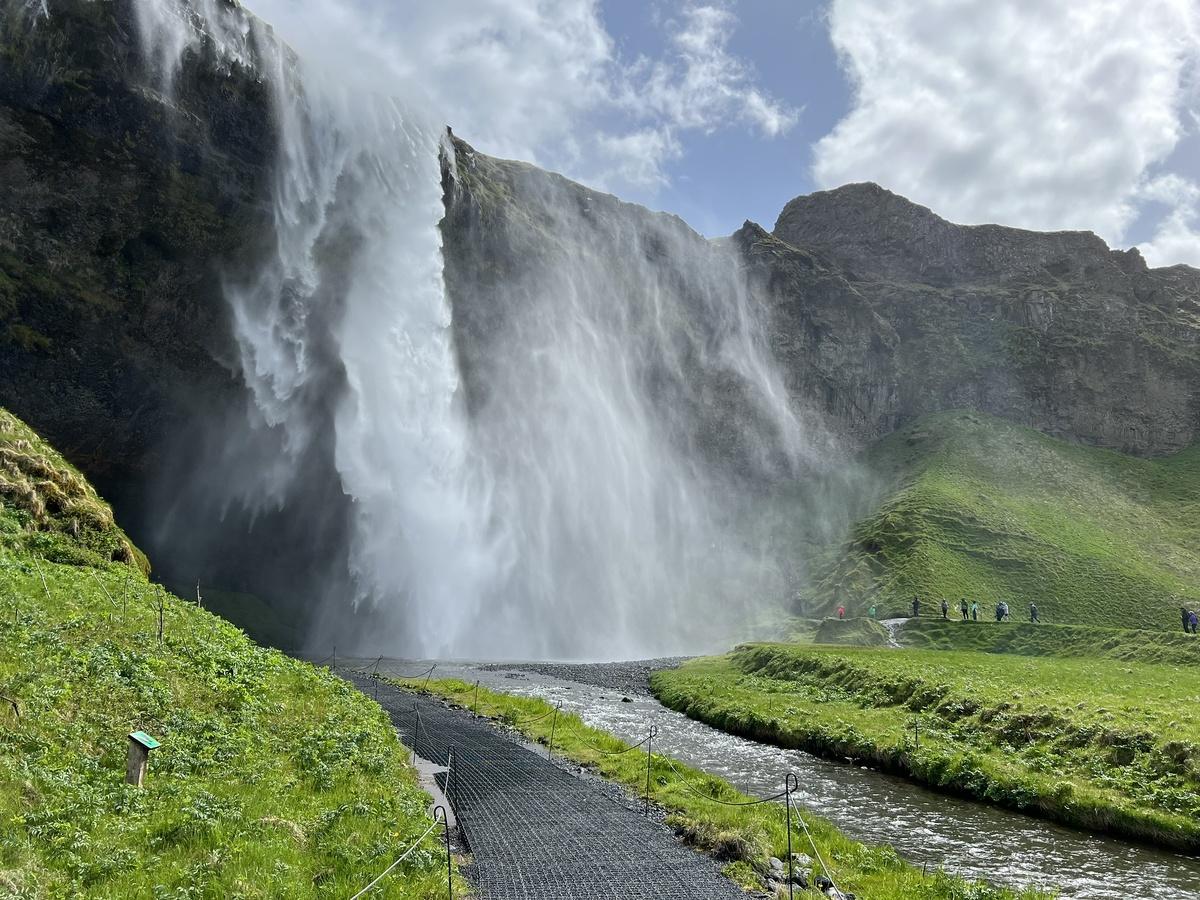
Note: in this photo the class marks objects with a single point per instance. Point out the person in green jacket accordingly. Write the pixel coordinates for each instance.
(975, 611)
(871, 611)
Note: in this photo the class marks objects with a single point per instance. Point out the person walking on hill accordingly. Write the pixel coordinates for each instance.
(999, 614)
(916, 606)
(871, 611)
(1193, 620)
(974, 610)
(945, 609)
(963, 608)
(1004, 616)
(841, 612)
(1185, 615)
(1033, 613)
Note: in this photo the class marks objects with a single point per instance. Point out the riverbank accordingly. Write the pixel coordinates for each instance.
(743, 837)
(1107, 745)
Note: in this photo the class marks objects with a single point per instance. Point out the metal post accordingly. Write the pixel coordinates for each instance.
(649, 740)
(375, 675)
(788, 783)
(475, 705)
(416, 731)
(917, 732)
(449, 867)
(553, 723)
(428, 675)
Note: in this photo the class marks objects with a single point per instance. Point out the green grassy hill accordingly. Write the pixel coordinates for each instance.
(274, 779)
(969, 505)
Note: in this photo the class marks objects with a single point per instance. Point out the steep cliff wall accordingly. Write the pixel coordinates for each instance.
(1054, 331)
(120, 206)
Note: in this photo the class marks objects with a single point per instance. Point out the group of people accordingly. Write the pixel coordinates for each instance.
(1190, 619)
(971, 611)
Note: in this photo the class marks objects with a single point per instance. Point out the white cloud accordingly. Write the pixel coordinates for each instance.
(1177, 239)
(702, 86)
(1041, 115)
(542, 80)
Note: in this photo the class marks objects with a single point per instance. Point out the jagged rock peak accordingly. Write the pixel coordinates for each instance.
(874, 232)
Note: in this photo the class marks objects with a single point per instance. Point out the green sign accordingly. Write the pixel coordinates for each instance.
(144, 739)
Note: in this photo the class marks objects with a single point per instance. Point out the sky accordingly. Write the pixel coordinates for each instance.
(1046, 115)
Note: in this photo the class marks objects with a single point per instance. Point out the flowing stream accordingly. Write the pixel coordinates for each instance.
(926, 828)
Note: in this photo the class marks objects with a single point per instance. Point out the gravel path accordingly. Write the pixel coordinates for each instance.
(535, 831)
(631, 677)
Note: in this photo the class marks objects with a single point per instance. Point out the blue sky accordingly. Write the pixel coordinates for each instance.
(733, 174)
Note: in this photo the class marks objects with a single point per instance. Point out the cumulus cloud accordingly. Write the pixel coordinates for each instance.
(1040, 115)
(1177, 238)
(542, 80)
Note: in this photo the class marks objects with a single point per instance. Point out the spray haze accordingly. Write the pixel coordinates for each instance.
(546, 449)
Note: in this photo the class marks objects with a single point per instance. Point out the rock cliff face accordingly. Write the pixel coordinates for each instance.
(123, 205)
(1054, 331)
(120, 206)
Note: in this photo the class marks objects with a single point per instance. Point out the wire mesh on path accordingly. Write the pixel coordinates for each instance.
(535, 831)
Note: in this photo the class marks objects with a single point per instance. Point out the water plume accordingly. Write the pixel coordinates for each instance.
(566, 461)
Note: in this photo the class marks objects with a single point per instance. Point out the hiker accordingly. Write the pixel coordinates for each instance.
(916, 606)
(974, 610)
(871, 611)
(962, 607)
(841, 612)
(1193, 620)
(1185, 615)
(1033, 613)
(999, 613)
(945, 609)
(1003, 610)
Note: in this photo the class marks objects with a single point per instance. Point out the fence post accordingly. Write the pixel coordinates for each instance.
(787, 800)
(553, 724)
(475, 705)
(649, 756)
(416, 732)
(428, 675)
(449, 868)
(375, 675)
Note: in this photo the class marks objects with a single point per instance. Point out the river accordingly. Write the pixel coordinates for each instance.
(927, 828)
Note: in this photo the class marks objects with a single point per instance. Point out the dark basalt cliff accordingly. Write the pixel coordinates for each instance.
(1050, 330)
(122, 208)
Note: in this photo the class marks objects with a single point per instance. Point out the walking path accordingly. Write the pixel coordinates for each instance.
(536, 832)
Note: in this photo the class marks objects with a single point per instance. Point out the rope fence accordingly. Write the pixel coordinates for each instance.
(404, 855)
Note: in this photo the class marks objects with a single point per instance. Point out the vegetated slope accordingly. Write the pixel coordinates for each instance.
(1041, 639)
(1097, 743)
(975, 507)
(274, 779)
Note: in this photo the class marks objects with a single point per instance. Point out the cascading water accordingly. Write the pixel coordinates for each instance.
(574, 510)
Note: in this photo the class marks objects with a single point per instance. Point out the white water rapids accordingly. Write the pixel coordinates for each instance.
(570, 514)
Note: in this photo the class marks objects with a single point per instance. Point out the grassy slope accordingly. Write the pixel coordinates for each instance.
(1100, 743)
(1025, 639)
(743, 836)
(274, 779)
(977, 507)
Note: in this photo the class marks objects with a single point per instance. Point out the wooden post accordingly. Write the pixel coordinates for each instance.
(140, 745)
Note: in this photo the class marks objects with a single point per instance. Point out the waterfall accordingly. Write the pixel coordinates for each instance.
(572, 511)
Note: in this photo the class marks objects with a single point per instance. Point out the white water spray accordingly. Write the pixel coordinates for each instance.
(572, 514)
